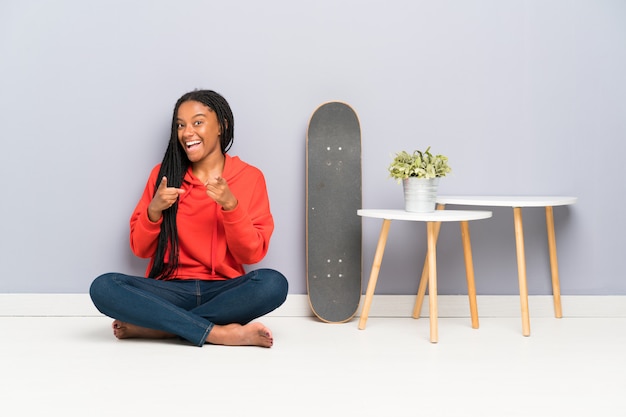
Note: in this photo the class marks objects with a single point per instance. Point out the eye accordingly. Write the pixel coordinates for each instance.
(197, 122)
(179, 126)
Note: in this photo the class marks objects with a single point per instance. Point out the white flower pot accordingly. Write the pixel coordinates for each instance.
(420, 194)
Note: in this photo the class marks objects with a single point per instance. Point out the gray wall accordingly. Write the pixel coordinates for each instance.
(525, 97)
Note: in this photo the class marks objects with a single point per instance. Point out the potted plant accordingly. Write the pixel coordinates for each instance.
(419, 173)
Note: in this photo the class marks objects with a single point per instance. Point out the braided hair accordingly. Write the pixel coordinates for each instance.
(174, 166)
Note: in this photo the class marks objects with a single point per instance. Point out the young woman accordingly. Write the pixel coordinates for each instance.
(202, 216)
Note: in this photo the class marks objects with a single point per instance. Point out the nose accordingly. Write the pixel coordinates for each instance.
(188, 130)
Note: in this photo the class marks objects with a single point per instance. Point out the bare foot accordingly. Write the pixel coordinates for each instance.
(251, 334)
(123, 330)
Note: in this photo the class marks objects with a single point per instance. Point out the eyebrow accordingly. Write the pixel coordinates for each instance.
(195, 115)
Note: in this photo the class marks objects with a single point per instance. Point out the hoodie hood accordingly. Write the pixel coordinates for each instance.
(233, 168)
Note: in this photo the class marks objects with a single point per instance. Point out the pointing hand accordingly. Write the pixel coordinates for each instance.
(217, 188)
(164, 198)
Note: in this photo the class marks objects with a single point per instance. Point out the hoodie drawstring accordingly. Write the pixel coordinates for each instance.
(214, 241)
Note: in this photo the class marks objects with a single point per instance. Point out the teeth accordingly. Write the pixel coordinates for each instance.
(195, 142)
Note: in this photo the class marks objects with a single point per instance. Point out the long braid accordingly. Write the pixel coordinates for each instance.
(174, 166)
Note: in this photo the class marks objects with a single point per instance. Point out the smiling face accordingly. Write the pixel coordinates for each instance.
(198, 131)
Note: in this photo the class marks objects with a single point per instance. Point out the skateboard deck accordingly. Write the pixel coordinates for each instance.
(333, 196)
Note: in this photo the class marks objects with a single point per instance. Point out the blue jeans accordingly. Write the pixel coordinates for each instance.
(188, 308)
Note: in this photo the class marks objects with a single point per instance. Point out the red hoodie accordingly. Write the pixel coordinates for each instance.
(214, 243)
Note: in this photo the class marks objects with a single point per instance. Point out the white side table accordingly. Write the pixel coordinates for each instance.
(517, 203)
(433, 221)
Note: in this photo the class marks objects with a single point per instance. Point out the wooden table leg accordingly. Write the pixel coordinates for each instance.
(554, 265)
(421, 291)
(432, 280)
(378, 259)
(521, 269)
(469, 272)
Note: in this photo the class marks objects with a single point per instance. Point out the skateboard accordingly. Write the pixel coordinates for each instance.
(333, 196)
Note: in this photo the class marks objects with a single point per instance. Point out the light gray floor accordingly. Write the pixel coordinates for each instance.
(73, 366)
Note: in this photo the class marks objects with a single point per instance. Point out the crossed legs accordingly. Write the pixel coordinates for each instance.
(216, 312)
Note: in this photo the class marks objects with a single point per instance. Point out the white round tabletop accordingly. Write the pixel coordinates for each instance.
(506, 201)
(433, 216)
